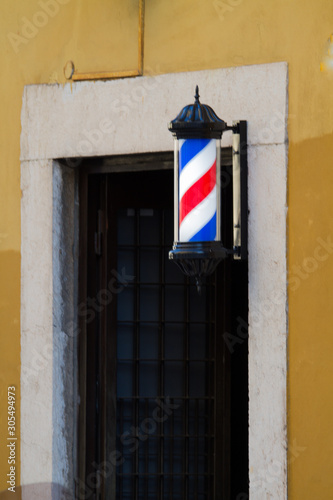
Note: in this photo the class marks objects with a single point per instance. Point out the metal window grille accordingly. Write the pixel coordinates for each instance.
(166, 345)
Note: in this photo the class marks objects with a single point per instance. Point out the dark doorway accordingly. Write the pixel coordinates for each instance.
(163, 386)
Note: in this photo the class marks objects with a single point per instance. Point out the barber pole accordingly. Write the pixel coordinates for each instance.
(197, 190)
(197, 247)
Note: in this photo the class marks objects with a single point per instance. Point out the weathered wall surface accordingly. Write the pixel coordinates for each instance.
(38, 37)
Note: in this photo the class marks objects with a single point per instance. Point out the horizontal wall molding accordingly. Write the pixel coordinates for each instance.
(94, 118)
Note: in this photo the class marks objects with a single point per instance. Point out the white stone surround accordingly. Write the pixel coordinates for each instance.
(130, 116)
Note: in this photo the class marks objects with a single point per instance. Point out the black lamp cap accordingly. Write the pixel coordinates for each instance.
(197, 121)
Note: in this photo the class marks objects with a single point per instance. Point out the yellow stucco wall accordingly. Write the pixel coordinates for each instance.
(185, 35)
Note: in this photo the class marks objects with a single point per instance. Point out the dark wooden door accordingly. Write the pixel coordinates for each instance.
(155, 368)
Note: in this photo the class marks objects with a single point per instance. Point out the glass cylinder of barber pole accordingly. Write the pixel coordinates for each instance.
(197, 131)
(197, 194)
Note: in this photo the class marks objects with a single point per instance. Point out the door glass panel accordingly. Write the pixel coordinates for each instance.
(149, 303)
(149, 340)
(126, 227)
(149, 230)
(125, 304)
(175, 302)
(174, 341)
(126, 260)
(149, 265)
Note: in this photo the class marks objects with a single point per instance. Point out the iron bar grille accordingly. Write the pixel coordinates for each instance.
(166, 368)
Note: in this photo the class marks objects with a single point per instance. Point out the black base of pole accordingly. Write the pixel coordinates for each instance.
(198, 259)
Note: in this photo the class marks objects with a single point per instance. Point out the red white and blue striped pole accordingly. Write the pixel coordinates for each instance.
(197, 247)
(197, 190)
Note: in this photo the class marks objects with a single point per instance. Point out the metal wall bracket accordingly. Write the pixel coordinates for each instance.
(239, 179)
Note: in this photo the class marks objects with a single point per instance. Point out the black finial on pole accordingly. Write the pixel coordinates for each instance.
(197, 94)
